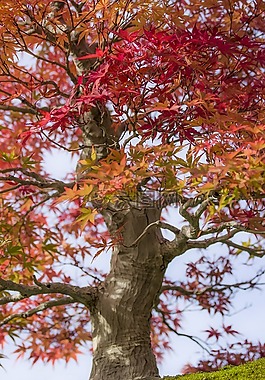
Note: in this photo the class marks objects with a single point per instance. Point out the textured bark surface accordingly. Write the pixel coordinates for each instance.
(120, 320)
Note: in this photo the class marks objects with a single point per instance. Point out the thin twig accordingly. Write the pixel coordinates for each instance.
(191, 337)
(18, 109)
(10, 189)
(252, 251)
(202, 244)
(60, 145)
(157, 224)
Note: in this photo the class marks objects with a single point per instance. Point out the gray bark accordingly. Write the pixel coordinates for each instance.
(120, 319)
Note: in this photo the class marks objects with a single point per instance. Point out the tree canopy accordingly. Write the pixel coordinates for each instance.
(162, 104)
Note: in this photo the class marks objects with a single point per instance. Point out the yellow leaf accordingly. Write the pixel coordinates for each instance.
(70, 194)
(26, 206)
(87, 189)
(87, 215)
(93, 154)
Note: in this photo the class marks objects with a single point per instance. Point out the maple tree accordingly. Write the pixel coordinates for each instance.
(162, 104)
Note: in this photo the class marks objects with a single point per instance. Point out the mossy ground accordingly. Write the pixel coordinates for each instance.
(250, 371)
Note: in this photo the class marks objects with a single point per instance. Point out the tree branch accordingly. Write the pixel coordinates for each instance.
(157, 224)
(243, 285)
(35, 179)
(84, 295)
(192, 230)
(41, 307)
(18, 109)
(10, 189)
(228, 226)
(11, 298)
(252, 251)
(23, 100)
(220, 228)
(60, 145)
(191, 337)
(202, 244)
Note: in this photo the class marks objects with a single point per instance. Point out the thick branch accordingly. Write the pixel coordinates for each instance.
(84, 295)
(11, 298)
(192, 230)
(174, 248)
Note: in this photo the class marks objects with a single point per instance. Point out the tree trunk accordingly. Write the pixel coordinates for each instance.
(120, 319)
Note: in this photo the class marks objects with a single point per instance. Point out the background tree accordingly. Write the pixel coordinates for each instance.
(162, 102)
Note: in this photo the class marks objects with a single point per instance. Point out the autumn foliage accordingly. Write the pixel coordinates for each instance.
(183, 83)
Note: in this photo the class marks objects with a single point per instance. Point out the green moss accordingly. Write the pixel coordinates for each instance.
(249, 371)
